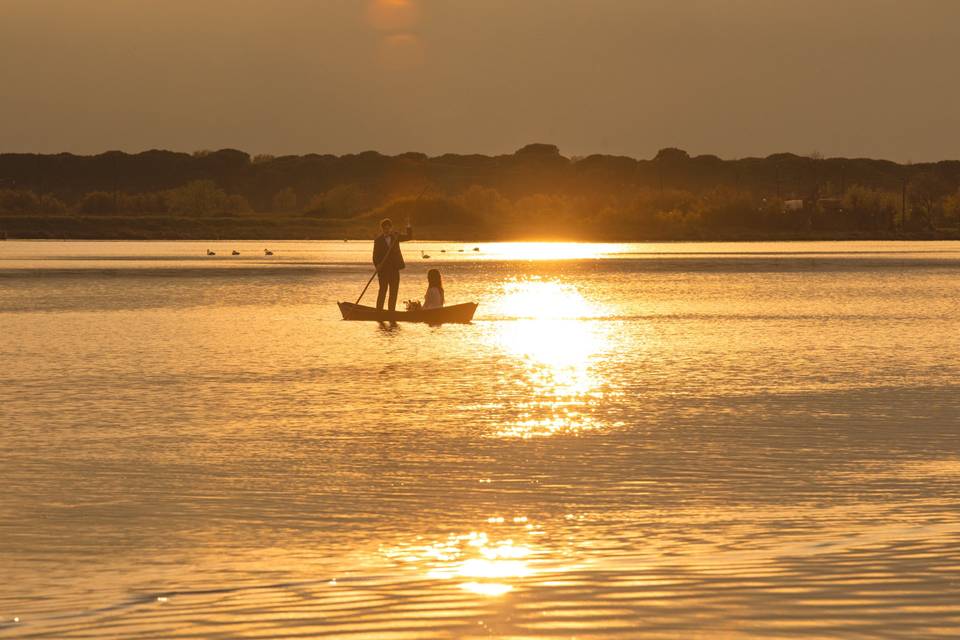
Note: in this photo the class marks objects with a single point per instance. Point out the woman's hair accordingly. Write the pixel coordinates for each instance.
(433, 279)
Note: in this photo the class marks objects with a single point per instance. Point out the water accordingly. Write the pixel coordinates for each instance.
(643, 441)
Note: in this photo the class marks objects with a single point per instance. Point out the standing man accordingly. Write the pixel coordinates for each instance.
(389, 261)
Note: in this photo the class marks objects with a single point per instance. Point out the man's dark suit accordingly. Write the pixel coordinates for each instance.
(389, 259)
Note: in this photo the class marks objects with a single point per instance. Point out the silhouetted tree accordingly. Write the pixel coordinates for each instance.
(98, 202)
(671, 155)
(285, 200)
(671, 195)
(925, 192)
(869, 208)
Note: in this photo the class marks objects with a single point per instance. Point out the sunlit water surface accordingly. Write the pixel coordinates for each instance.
(677, 440)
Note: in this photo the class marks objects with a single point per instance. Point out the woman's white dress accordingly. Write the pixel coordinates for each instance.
(433, 298)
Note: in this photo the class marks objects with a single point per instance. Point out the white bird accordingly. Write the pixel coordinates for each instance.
(267, 252)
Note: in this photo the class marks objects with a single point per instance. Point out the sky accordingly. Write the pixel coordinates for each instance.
(735, 78)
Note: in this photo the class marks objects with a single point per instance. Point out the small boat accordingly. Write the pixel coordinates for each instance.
(234, 253)
(460, 313)
(210, 253)
(424, 255)
(267, 252)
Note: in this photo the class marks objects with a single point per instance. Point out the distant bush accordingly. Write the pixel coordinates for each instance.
(726, 207)
(927, 192)
(98, 202)
(198, 198)
(19, 201)
(439, 211)
(484, 202)
(951, 208)
(867, 208)
(53, 206)
(285, 200)
(24, 201)
(204, 197)
(342, 201)
(140, 203)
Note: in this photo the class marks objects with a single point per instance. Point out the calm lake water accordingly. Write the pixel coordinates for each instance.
(638, 441)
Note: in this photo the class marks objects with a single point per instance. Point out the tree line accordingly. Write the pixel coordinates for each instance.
(535, 191)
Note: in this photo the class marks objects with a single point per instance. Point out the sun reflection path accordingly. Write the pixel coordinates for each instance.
(548, 250)
(547, 327)
(481, 564)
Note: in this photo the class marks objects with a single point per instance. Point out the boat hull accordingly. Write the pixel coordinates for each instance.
(458, 313)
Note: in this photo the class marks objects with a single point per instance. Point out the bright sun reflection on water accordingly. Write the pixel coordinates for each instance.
(541, 299)
(485, 567)
(548, 250)
(557, 344)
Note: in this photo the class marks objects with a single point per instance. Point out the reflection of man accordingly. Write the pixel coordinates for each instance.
(388, 260)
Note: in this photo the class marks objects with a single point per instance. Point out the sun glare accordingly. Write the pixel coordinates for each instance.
(547, 329)
(483, 566)
(547, 250)
(392, 15)
(542, 299)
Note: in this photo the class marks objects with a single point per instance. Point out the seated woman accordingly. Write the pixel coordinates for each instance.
(433, 299)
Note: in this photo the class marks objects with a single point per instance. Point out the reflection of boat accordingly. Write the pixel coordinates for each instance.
(456, 313)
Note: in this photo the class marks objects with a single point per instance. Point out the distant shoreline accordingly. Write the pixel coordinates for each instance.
(534, 193)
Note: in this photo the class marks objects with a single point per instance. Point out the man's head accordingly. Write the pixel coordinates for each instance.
(386, 225)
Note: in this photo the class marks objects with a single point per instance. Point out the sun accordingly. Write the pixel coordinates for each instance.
(392, 15)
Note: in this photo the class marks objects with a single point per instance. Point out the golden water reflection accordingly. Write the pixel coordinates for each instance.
(549, 250)
(548, 330)
(481, 564)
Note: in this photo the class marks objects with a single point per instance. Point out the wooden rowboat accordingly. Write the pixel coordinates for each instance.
(461, 313)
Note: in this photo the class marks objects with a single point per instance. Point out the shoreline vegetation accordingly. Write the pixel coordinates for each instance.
(535, 193)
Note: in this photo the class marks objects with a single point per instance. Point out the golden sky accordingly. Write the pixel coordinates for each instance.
(730, 77)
